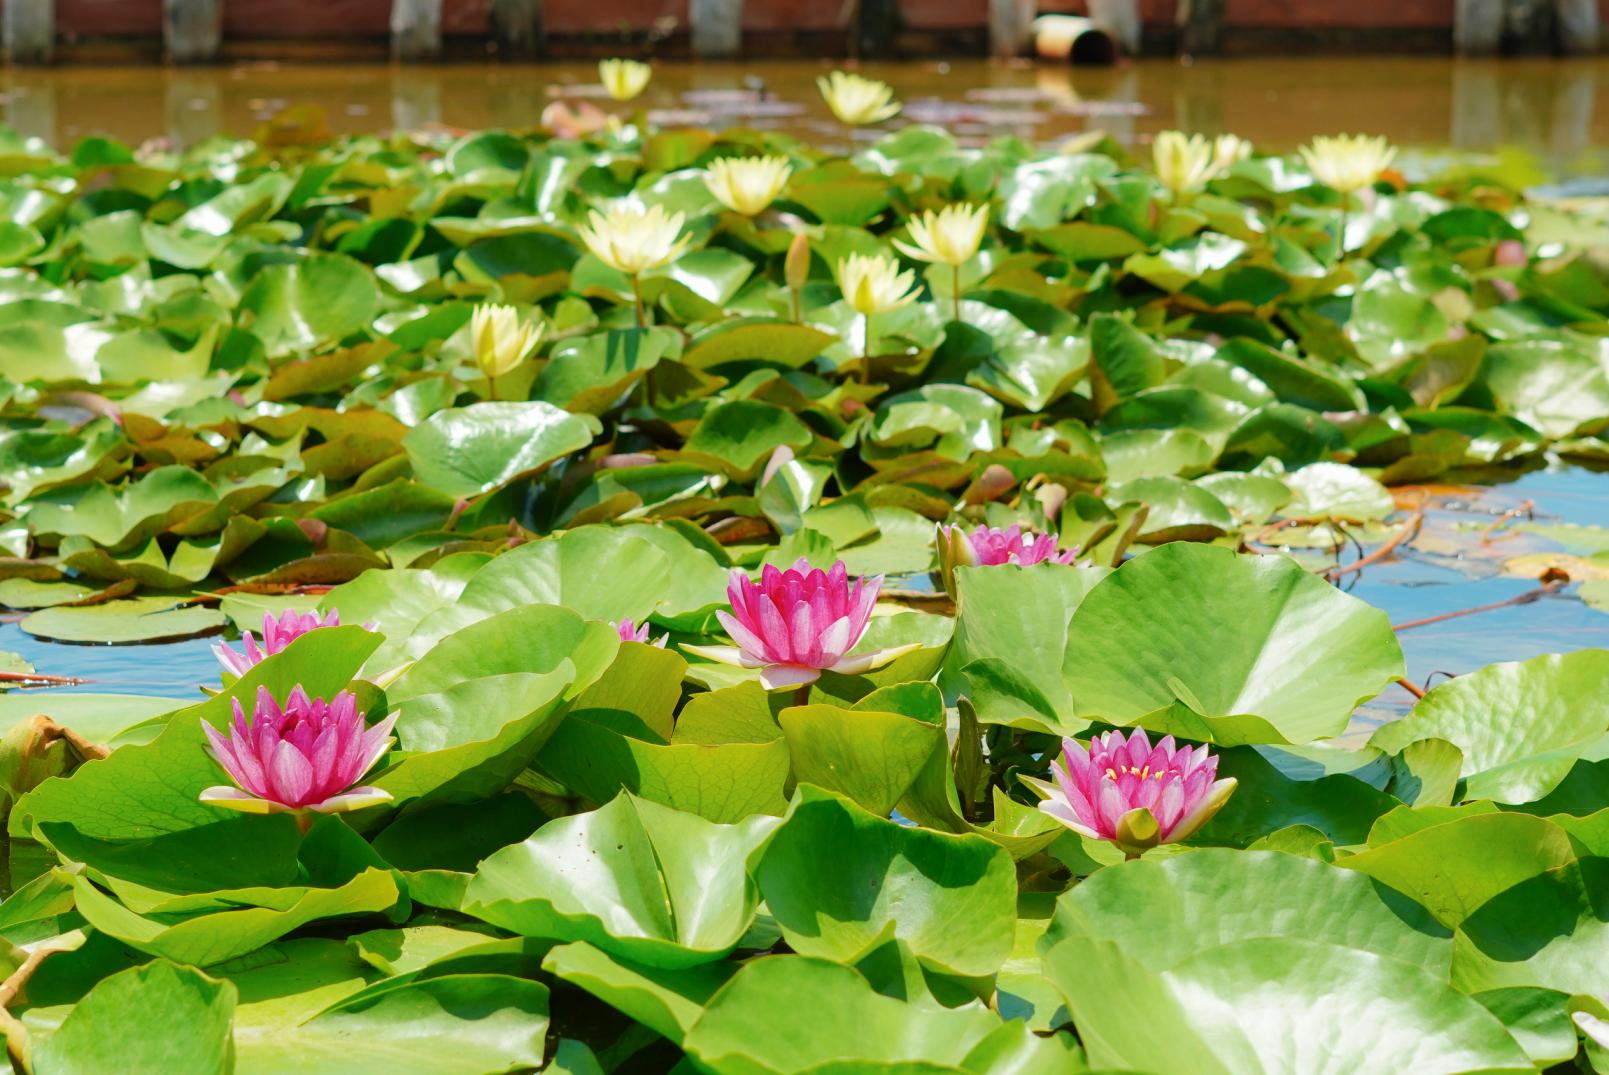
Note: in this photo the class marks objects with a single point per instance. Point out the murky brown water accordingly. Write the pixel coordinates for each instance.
(1557, 108)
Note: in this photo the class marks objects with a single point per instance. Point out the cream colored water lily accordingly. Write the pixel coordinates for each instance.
(1182, 162)
(1348, 162)
(502, 339)
(874, 284)
(633, 240)
(950, 237)
(624, 79)
(747, 185)
(856, 100)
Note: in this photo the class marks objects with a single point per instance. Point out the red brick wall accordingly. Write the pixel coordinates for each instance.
(110, 18)
(336, 20)
(582, 16)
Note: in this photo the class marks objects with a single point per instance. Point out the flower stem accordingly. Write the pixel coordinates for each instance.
(491, 387)
(802, 695)
(636, 294)
(1340, 241)
(866, 352)
(957, 271)
(798, 306)
(304, 821)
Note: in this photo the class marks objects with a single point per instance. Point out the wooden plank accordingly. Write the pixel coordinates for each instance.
(717, 27)
(416, 29)
(1478, 26)
(192, 30)
(28, 30)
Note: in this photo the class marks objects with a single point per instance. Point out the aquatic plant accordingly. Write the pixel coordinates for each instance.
(303, 757)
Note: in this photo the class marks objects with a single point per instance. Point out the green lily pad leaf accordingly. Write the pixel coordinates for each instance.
(593, 374)
(470, 450)
(301, 305)
(213, 937)
(633, 878)
(870, 757)
(881, 881)
(1238, 896)
(740, 436)
(1521, 725)
(1011, 630)
(668, 1002)
(1300, 658)
(135, 620)
(836, 1023)
(723, 782)
(1274, 1004)
(1179, 510)
(1336, 491)
(1543, 932)
(470, 741)
(481, 1023)
(1455, 867)
(780, 343)
(183, 1018)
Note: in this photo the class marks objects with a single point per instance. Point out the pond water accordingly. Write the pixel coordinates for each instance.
(1554, 108)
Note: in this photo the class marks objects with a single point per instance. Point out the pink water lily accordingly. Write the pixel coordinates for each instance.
(989, 546)
(301, 758)
(630, 632)
(795, 624)
(277, 634)
(1125, 790)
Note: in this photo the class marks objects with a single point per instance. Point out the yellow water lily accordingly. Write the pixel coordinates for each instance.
(856, 100)
(874, 284)
(632, 240)
(502, 339)
(1182, 162)
(747, 185)
(950, 236)
(1348, 162)
(624, 79)
(1227, 150)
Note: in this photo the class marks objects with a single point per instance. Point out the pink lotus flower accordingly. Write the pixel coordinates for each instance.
(1131, 793)
(797, 623)
(988, 546)
(630, 632)
(301, 759)
(277, 634)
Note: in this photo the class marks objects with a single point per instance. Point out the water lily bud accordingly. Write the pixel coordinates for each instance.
(796, 266)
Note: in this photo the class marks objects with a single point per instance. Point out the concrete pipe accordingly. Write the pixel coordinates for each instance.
(1073, 39)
